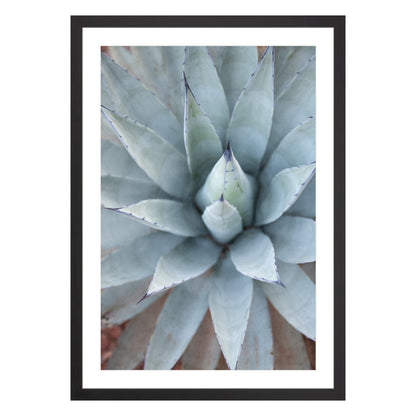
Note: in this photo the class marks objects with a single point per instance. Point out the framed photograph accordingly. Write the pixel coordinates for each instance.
(208, 207)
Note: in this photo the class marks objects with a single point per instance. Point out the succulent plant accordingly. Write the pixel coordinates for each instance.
(208, 204)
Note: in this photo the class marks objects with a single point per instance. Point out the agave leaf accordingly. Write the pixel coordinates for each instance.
(222, 220)
(295, 302)
(119, 192)
(297, 148)
(251, 120)
(161, 161)
(227, 180)
(294, 105)
(118, 230)
(124, 58)
(289, 345)
(205, 83)
(289, 60)
(115, 297)
(257, 350)
(138, 103)
(229, 303)
(132, 344)
(160, 69)
(253, 255)
(120, 303)
(136, 260)
(203, 351)
(177, 323)
(293, 239)
(202, 144)
(116, 161)
(284, 189)
(216, 53)
(167, 215)
(148, 63)
(186, 261)
(305, 205)
(108, 134)
(237, 64)
(106, 99)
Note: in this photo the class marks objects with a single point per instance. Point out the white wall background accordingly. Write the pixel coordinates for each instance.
(35, 229)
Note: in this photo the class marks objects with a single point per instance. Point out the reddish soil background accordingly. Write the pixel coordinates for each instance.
(109, 337)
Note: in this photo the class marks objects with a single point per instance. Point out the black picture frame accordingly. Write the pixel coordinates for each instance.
(77, 25)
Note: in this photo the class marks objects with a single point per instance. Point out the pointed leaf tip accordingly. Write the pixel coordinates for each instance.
(222, 220)
(251, 119)
(227, 178)
(186, 261)
(167, 215)
(202, 144)
(185, 81)
(228, 153)
(253, 255)
(296, 303)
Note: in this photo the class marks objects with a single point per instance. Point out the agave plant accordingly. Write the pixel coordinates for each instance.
(208, 205)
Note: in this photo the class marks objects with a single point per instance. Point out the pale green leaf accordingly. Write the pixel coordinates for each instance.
(116, 161)
(202, 144)
(205, 83)
(216, 52)
(280, 195)
(117, 192)
(132, 344)
(293, 239)
(136, 260)
(122, 55)
(229, 303)
(296, 149)
(177, 323)
(251, 120)
(116, 297)
(296, 301)
(253, 255)
(186, 261)
(118, 230)
(257, 350)
(289, 60)
(203, 351)
(120, 303)
(161, 161)
(107, 132)
(229, 181)
(106, 99)
(305, 205)
(160, 69)
(167, 215)
(295, 104)
(237, 65)
(222, 220)
(132, 99)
